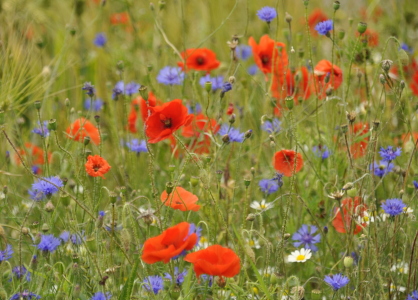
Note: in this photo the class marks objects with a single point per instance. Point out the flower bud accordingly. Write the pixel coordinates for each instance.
(86, 140)
(208, 86)
(231, 79)
(143, 92)
(348, 261)
(341, 34)
(45, 227)
(361, 27)
(344, 128)
(288, 18)
(97, 119)
(325, 229)
(247, 182)
(171, 168)
(248, 134)
(67, 102)
(351, 116)
(49, 207)
(194, 181)
(25, 231)
(225, 139)
(38, 105)
(382, 79)
(169, 186)
(386, 64)
(52, 125)
(289, 102)
(336, 5)
(250, 217)
(161, 5)
(352, 192)
(286, 236)
(232, 119)
(348, 186)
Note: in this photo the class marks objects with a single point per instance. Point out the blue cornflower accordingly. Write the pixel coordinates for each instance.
(75, 238)
(324, 27)
(197, 109)
(153, 284)
(132, 88)
(272, 127)
(25, 295)
(243, 52)
(118, 90)
(389, 153)
(252, 70)
(194, 229)
(306, 237)
(406, 48)
(179, 276)
(101, 296)
(6, 254)
(382, 168)
(102, 213)
(321, 151)
(49, 243)
(42, 189)
(20, 271)
(97, 104)
(415, 184)
(217, 82)
(65, 236)
(89, 88)
(337, 281)
(137, 146)
(234, 134)
(267, 14)
(100, 40)
(413, 295)
(268, 186)
(393, 207)
(170, 76)
(226, 87)
(206, 278)
(42, 130)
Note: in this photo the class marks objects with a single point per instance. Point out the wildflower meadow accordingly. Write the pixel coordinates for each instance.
(231, 149)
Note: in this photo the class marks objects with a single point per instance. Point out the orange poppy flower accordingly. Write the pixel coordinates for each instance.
(350, 209)
(81, 128)
(34, 154)
(216, 261)
(322, 69)
(199, 124)
(414, 84)
(286, 160)
(140, 104)
(370, 37)
(358, 149)
(96, 166)
(119, 18)
(180, 199)
(165, 120)
(169, 244)
(314, 18)
(266, 53)
(199, 59)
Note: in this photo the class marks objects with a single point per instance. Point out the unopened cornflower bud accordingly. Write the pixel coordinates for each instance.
(169, 186)
(361, 27)
(386, 64)
(5, 190)
(143, 92)
(252, 170)
(250, 217)
(272, 144)
(67, 102)
(76, 291)
(248, 134)
(376, 124)
(382, 79)
(152, 6)
(86, 140)
(45, 227)
(336, 5)
(351, 116)
(344, 128)
(97, 119)
(232, 119)
(348, 186)
(225, 139)
(288, 18)
(329, 91)
(306, 2)
(171, 168)
(301, 52)
(325, 229)
(402, 84)
(49, 207)
(327, 77)
(219, 174)
(286, 236)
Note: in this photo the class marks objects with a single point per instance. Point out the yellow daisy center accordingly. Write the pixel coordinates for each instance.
(300, 257)
(263, 206)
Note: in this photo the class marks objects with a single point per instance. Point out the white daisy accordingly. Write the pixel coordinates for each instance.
(301, 255)
(263, 205)
(253, 243)
(400, 267)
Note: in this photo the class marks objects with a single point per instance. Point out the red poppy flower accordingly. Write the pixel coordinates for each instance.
(81, 128)
(370, 37)
(322, 69)
(165, 120)
(266, 53)
(215, 260)
(34, 154)
(353, 211)
(314, 18)
(199, 59)
(180, 199)
(230, 109)
(358, 149)
(96, 166)
(140, 104)
(199, 124)
(119, 18)
(414, 84)
(284, 161)
(170, 243)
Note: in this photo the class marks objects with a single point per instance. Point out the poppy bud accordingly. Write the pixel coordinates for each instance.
(171, 168)
(208, 86)
(45, 227)
(38, 105)
(306, 2)
(336, 5)
(52, 124)
(361, 27)
(225, 139)
(348, 261)
(86, 140)
(341, 34)
(25, 231)
(301, 52)
(143, 92)
(169, 186)
(194, 181)
(219, 174)
(161, 5)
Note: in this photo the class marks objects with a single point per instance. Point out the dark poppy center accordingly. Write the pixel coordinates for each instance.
(200, 61)
(96, 168)
(265, 59)
(167, 123)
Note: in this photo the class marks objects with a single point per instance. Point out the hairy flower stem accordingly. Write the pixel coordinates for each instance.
(349, 68)
(43, 143)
